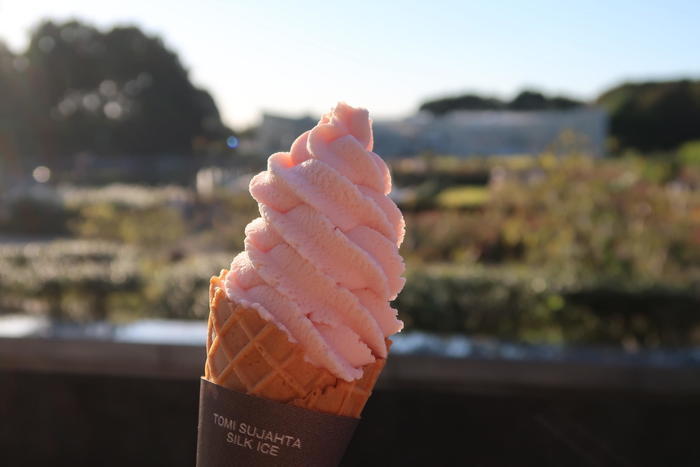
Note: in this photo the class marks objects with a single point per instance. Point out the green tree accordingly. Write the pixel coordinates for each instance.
(526, 100)
(654, 116)
(115, 92)
(465, 102)
(533, 100)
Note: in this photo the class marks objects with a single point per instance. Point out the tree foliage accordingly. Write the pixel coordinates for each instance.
(116, 92)
(526, 100)
(654, 116)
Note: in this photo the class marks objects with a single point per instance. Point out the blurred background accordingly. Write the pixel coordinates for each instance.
(546, 159)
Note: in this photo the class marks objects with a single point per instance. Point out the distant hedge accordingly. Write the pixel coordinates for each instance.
(533, 306)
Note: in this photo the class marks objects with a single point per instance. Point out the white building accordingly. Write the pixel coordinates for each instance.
(463, 133)
(277, 133)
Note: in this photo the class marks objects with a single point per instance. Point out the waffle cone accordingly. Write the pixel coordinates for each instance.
(250, 354)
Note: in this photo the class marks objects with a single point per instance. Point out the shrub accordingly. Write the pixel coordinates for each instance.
(145, 226)
(463, 197)
(689, 153)
(179, 290)
(537, 306)
(35, 212)
(600, 219)
(54, 272)
(625, 218)
(135, 196)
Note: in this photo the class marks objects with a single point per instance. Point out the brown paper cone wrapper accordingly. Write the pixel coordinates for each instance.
(249, 355)
(240, 430)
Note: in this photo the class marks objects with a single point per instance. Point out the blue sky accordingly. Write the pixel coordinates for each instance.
(303, 56)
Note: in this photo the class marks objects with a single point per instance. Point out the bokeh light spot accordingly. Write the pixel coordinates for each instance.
(232, 142)
(41, 174)
(91, 102)
(46, 44)
(67, 107)
(108, 88)
(112, 110)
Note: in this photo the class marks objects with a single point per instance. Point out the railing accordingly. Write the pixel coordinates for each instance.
(101, 402)
(186, 362)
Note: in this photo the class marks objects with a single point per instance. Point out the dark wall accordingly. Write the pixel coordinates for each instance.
(75, 420)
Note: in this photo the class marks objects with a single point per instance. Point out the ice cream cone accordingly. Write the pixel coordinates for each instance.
(298, 329)
(250, 354)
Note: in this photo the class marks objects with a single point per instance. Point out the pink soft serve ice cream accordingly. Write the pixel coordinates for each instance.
(322, 261)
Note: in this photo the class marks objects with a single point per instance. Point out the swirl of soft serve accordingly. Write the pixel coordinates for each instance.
(322, 261)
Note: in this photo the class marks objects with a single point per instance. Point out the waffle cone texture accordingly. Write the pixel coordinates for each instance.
(249, 354)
